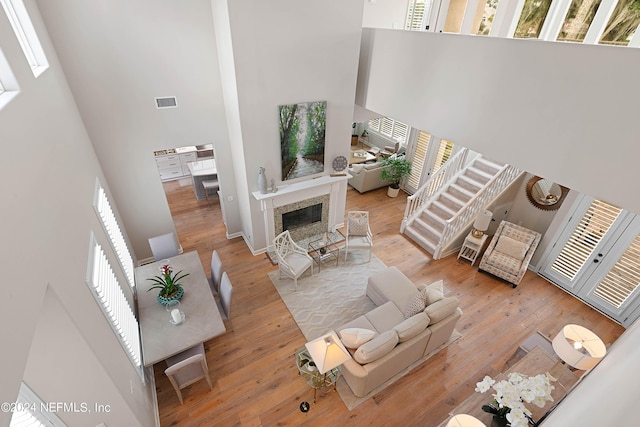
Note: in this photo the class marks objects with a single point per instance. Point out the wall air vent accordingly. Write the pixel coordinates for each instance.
(166, 102)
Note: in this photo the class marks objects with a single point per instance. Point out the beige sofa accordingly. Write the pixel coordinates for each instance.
(366, 177)
(399, 336)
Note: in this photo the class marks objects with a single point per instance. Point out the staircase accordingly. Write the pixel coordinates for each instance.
(434, 221)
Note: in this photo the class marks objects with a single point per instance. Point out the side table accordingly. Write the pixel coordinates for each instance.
(471, 247)
(312, 376)
(324, 249)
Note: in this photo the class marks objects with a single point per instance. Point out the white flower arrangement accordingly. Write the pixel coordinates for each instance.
(511, 395)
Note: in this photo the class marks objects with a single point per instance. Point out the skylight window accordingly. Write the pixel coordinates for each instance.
(26, 34)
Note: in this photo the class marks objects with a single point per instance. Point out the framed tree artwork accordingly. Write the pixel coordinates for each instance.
(302, 135)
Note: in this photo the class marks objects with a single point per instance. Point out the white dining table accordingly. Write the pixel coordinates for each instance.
(160, 338)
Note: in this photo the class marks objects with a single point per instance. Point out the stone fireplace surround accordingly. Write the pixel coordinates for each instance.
(299, 195)
(308, 230)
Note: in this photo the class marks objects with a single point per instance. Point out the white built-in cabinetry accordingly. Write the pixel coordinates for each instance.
(174, 165)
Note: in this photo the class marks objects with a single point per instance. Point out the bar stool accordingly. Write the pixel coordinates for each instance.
(210, 185)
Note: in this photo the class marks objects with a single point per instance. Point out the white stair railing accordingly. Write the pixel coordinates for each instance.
(433, 186)
(469, 211)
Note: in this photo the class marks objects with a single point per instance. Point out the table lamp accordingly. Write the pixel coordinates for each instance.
(578, 347)
(464, 420)
(327, 352)
(481, 224)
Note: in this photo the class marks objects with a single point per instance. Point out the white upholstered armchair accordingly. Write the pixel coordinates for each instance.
(293, 260)
(510, 251)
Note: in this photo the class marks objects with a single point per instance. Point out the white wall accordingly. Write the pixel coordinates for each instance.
(385, 13)
(552, 109)
(49, 168)
(119, 55)
(284, 53)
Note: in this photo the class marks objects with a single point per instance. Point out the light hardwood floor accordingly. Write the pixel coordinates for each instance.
(256, 382)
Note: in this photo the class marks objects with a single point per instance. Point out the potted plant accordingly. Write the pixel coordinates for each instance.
(169, 285)
(393, 170)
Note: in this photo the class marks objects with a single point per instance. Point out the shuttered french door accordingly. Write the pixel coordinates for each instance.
(597, 259)
(427, 156)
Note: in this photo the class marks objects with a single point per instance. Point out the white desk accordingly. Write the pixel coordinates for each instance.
(202, 170)
(161, 339)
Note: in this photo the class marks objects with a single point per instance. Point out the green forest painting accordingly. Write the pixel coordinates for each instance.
(302, 133)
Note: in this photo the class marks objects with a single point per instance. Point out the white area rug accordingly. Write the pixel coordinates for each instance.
(332, 297)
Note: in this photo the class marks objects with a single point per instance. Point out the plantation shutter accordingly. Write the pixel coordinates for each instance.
(386, 127)
(415, 14)
(400, 131)
(444, 152)
(623, 278)
(374, 124)
(594, 224)
(417, 162)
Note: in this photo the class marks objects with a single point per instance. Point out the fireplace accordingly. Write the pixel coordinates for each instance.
(303, 219)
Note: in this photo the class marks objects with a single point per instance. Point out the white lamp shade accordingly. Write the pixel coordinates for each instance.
(579, 347)
(327, 352)
(464, 420)
(483, 220)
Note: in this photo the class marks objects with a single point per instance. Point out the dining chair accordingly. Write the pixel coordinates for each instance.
(186, 368)
(216, 273)
(164, 246)
(293, 260)
(224, 303)
(358, 235)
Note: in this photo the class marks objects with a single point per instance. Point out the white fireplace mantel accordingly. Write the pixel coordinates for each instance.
(296, 192)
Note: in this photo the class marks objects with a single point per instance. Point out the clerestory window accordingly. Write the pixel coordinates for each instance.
(26, 34)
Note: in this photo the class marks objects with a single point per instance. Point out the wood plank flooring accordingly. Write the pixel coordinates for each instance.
(256, 382)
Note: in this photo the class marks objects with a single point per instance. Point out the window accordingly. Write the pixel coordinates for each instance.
(31, 411)
(417, 161)
(489, 8)
(110, 223)
(26, 34)
(418, 14)
(578, 20)
(108, 293)
(532, 17)
(623, 23)
(392, 129)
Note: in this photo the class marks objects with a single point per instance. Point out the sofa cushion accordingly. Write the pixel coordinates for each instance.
(357, 168)
(412, 326)
(377, 347)
(385, 317)
(441, 309)
(391, 285)
(415, 305)
(433, 292)
(369, 166)
(511, 247)
(355, 337)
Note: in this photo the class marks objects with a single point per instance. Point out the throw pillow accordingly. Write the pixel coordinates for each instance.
(441, 309)
(433, 292)
(511, 247)
(355, 337)
(415, 305)
(376, 348)
(412, 326)
(358, 226)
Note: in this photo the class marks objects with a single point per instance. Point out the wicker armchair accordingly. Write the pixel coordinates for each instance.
(510, 251)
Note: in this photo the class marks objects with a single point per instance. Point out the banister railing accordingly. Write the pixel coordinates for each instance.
(464, 216)
(433, 186)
